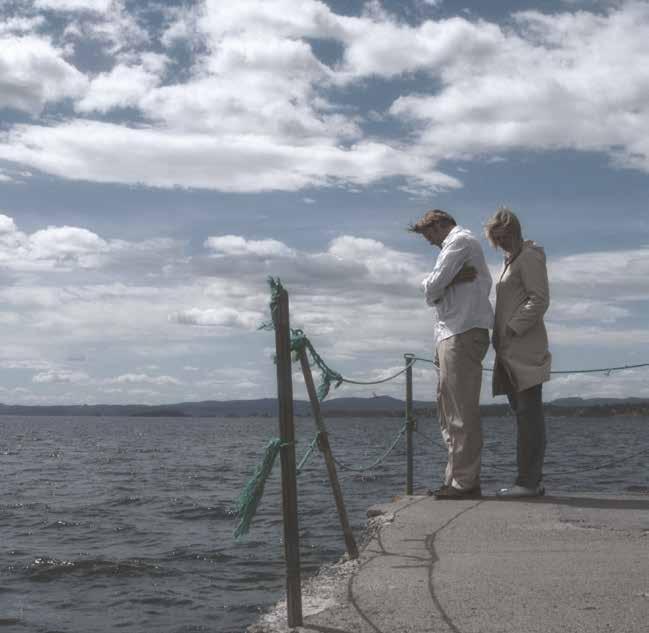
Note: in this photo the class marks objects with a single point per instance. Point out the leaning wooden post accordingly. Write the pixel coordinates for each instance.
(287, 455)
(409, 423)
(323, 443)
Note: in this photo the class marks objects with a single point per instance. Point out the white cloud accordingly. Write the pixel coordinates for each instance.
(556, 81)
(21, 24)
(14, 176)
(357, 298)
(75, 5)
(9, 319)
(237, 245)
(144, 379)
(387, 48)
(620, 338)
(104, 152)
(383, 264)
(283, 18)
(585, 310)
(58, 376)
(182, 25)
(48, 248)
(224, 317)
(250, 86)
(35, 364)
(68, 247)
(252, 116)
(33, 73)
(621, 384)
(122, 87)
(7, 224)
(107, 24)
(64, 242)
(621, 274)
(255, 110)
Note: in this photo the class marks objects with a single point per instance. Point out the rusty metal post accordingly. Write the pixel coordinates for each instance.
(409, 424)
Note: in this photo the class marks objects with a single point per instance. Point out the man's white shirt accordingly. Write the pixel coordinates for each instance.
(464, 305)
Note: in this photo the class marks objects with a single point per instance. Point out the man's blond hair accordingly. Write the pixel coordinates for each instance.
(432, 218)
(503, 222)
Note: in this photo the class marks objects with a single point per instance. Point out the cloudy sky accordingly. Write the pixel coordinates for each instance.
(159, 159)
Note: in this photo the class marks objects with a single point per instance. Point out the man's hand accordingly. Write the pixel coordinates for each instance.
(467, 273)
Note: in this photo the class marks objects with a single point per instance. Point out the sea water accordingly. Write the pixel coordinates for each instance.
(111, 524)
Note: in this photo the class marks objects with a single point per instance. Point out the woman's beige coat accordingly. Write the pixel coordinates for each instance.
(519, 336)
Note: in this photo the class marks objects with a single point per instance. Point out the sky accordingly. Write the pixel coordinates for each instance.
(159, 160)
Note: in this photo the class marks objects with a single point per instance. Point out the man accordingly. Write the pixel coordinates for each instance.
(458, 288)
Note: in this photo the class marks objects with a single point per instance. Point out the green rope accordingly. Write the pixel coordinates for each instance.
(253, 491)
(300, 343)
(275, 288)
(378, 382)
(376, 462)
(328, 376)
(600, 370)
(308, 453)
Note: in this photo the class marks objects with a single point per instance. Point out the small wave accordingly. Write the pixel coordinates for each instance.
(197, 513)
(205, 472)
(58, 525)
(640, 490)
(188, 554)
(34, 505)
(129, 500)
(44, 569)
(4, 589)
(163, 601)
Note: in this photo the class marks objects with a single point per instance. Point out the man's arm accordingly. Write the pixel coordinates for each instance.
(467, 273)
(449, 263)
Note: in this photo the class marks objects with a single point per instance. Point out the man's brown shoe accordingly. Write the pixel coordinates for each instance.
(449, 492)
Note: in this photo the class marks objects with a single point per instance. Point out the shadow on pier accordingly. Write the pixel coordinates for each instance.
(604, 503)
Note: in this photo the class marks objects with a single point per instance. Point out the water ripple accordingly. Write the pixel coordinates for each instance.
(46, 569)
(133, 517)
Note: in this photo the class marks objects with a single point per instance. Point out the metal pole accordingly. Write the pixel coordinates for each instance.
(409, 423)
(323, 443)
(287, 456)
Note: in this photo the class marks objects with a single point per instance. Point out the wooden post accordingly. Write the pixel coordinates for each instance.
(323, 443)
(287, 456)
(409, 423)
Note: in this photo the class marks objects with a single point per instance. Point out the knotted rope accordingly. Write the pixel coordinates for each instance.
(253, 491)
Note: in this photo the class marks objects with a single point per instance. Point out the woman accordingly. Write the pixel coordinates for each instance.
(521, 343)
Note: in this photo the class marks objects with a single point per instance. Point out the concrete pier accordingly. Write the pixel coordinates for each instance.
(556, 564)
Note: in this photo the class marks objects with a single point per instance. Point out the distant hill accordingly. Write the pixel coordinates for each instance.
(592, 402)
(262, 407)
(380, 406)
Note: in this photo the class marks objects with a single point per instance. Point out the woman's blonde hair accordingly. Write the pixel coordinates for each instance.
(503, 222)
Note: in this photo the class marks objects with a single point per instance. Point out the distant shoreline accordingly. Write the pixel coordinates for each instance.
(381, 406)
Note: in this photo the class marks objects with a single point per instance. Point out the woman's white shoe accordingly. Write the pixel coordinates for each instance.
(521, 491)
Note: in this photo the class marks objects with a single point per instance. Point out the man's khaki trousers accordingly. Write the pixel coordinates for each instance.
(458, 404)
